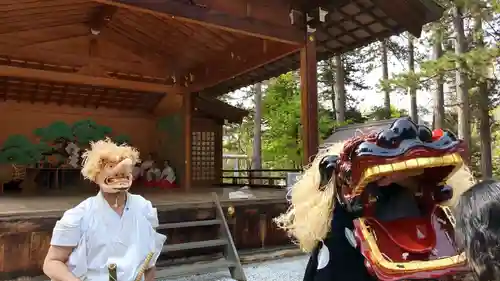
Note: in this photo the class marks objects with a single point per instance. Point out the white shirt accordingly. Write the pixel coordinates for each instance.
(146, 165)
(168, 174)
(101, 237)
(153, 174)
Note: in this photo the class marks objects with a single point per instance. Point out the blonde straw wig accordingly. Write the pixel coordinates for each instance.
(309, 216)
(104, 151)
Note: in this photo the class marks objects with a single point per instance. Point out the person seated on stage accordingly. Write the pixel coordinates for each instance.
(146, 165)
(153, 174)
(168, 173)
(477, 216)
(112, 228)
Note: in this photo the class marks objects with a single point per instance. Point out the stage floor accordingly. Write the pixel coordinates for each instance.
(21, 205)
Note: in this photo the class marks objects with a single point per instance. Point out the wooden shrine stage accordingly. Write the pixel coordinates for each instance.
(56, 203)
(26, 224)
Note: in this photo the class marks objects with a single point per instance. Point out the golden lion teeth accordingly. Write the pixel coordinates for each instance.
(457, 159)
(399, 166)
(425, 162)
(448, 159)
(384, 169)
(411, 164)
(436, 161)
(368, 173)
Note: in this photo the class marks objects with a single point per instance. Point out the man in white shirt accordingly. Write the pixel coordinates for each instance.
(113, 227)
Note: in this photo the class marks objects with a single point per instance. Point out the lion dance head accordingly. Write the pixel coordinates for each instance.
(424, 171)
(110, 165)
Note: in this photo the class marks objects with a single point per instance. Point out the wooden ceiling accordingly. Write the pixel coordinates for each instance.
(160, 46)
(35, 91)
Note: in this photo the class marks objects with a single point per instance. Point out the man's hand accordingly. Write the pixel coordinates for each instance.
(149, 275)
(55, 266)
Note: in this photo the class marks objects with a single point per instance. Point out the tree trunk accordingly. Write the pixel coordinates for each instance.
(339, 89)
(438, 118)
(485, 132)
(461, 82)
(413, 89)
(385, 77)
(484, 114)
(331, 64)
(257, 132)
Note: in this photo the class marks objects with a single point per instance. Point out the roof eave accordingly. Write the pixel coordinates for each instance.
(434, 10)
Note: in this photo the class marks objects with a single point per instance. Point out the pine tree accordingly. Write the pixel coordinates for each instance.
(257, 130)
(438, 93)
(412, 87)
(385, 78)
(461, 81)
(340, 101)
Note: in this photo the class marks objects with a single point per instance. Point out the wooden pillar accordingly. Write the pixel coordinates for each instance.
(309, 99)
(188, 139)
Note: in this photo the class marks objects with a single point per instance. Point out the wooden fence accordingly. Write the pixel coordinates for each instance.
(257, 178)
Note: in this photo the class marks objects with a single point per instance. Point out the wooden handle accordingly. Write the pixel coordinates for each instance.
(112, 272)
(144, 267)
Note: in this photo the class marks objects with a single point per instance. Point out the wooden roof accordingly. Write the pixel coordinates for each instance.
(219, 110)
(140, 48)
(349, 24)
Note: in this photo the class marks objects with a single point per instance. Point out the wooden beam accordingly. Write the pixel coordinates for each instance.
(215, 17)
(78, 60)
(187, 106)
(238, 59)
(101, 17)
(78, 79)
(309, 99)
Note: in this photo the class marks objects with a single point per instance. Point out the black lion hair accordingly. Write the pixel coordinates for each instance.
(477, 231)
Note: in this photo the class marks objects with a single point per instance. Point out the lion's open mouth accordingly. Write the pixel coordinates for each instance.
(428, 170)
(402, 222)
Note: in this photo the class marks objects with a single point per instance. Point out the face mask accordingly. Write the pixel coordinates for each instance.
(115, 176)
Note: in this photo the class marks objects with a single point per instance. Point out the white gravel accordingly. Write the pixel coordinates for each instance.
(286, 269)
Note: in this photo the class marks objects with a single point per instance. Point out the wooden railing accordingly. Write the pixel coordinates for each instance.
(257, 178)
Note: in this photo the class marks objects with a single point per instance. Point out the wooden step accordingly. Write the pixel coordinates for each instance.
(194, 245)
(189, 224)
(192, 269)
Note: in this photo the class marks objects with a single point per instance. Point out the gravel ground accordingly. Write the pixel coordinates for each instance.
(287, 269)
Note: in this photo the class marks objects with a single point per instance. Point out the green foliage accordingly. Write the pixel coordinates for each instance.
(170, 123)
(357, 64)
(121, 139)
(496, 153)
(353, 115)
(282, 136)
(86, 131)
(377, 113)
(18, 149)
(55, 132)
(81, 132)
(238, 138)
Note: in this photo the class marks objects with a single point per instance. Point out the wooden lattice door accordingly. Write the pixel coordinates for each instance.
(203, 157)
